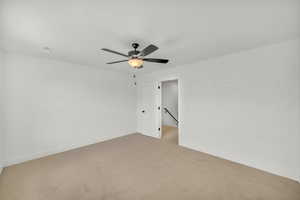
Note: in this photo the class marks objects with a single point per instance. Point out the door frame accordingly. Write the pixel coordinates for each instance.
(159, 105)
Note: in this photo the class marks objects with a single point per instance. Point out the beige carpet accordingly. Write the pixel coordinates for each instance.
(169, 134)
(137, 167)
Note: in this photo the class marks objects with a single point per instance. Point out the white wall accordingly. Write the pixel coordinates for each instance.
(52, 106)
(1, 111)
(170, 101)
(243, 107)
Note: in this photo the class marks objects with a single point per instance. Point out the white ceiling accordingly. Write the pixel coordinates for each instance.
(185, 31)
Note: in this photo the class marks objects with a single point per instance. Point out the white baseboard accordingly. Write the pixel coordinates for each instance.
(43, 153)
(252, 164)
(51, 151)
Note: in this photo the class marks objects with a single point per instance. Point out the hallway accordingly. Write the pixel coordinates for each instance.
(170, 134)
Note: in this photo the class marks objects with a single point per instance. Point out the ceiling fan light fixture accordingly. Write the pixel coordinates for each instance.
(135, 62)
(136, 58)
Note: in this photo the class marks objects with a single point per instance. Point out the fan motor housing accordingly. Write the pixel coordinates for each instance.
(133, 53)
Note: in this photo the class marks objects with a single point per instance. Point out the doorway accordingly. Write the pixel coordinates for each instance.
(169, 111)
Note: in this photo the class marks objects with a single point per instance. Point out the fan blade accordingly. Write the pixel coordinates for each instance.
(117, 61)
(115, 52)
(149, 49)
(156, 60)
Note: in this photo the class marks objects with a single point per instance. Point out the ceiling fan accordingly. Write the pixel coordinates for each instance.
(136, 58)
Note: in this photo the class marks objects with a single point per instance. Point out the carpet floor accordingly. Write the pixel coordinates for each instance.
(137, 167)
